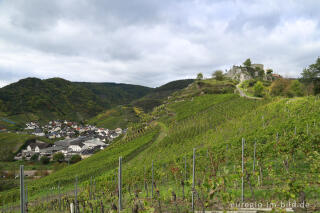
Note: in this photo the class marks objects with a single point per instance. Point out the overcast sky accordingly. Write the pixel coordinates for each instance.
(151, 42)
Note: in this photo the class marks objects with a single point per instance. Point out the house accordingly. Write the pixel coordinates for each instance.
(52, 136)
(276, 76)
(37, 146)
(94, 143)
(91, 138)
(38, 132)
(74, 148)
(51, 150)
(89, 151)
(118, 131)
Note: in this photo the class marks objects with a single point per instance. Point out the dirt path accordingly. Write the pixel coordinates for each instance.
(242, 94)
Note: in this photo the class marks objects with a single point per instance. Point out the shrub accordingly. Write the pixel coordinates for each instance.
(278, 87)
(296, 88)
(258, 89)
(286, 87)
(58, 157)
(252, 82)
(75, 158)
(44, 160)
(34, 157)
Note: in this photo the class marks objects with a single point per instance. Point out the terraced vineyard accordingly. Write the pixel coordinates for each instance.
(285, 167)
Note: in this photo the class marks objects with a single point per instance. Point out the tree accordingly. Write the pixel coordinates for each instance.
(44, 160)
(258, 89)
(247, 63)
(58, 157)
(218, 75)
(260, 72)
(278, 87)
(75, 158)
(312, 72)
(296, 88)
(269, 71)
(200, 76)
(311, 76)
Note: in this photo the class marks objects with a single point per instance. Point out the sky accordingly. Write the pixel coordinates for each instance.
(152, 42)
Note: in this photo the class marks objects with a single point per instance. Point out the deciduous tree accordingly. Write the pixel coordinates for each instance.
(218, 75)
(200, 76)
(247, 63)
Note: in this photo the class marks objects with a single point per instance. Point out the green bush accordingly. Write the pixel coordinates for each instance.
(296, 88)
(35, 157)
(44, 160)
(252, 82)
(286, 87)
(258, 89)
(75, 158)
(58, 157)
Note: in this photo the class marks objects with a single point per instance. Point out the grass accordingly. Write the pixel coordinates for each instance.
(10, 143)
(28, 165)
(116, 117)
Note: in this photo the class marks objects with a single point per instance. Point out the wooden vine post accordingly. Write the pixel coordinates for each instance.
(22, 189)
(242, 176)
(59, 196)
(75, 195)
(254, 157)
(152, 181)
(90, 188)
(26, 199)
(94, 191)
(185, 168)
(193, 177)
(120, 184)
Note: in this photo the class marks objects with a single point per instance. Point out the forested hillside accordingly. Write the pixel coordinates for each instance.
(56, 98)
(160, 94)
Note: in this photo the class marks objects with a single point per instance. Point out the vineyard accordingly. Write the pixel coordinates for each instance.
(188, 154)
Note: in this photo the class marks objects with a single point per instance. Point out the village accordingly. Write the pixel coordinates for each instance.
(75, 140)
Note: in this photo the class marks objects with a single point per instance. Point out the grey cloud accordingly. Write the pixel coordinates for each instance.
(150, 42)
(35, 15)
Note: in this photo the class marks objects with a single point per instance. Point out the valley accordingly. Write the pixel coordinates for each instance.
(204, 145)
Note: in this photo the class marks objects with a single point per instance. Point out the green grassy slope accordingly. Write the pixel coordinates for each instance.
(120, 116)
(10, 143)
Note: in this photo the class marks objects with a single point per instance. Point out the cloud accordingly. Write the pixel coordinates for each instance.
(152, 42)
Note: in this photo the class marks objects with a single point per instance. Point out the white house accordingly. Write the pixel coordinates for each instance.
(40, 134)
(118, 131)
(93, 143)
(36, 147)
(74, 148)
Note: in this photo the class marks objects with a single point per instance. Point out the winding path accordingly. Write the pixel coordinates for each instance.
(243, 94)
